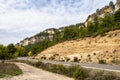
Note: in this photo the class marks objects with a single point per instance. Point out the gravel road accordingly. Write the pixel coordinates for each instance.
(32, 73)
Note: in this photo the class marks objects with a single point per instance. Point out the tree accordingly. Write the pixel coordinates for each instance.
(58, 36)
(117, 16)
(29, 53)
(96, 21)
(70, 33)
(107, 22)
(34, 50)
(91, 29)
(82, 32)
(98, 11)
(11, 50)
(3, 53)
(20, 51)
(111, 4)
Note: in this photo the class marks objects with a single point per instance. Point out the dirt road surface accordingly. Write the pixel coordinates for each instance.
(32, 73)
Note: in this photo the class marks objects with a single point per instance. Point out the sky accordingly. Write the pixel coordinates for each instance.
(24, 18)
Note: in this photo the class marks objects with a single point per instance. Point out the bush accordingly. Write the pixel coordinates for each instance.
(102, 62)
(117, 16)
(79, 74)
(38, 64)
(75, 59)
(61, 69)
(71, 70)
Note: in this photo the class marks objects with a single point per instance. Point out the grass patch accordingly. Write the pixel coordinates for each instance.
(9, 69)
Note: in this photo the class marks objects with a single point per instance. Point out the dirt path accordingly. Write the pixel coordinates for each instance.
(32, 73)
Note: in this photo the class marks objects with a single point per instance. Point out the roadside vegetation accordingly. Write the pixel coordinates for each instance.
(75, 71)
(9, 69)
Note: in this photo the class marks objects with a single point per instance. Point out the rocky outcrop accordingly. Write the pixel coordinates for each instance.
(100, 13)
(110, 9)
(117, 5)
(47, 34)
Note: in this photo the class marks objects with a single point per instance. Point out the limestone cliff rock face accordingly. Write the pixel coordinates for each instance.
(117, 5)
(90, 50)
(101, 13)
(47, 34)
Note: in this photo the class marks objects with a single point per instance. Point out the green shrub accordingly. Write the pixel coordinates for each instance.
(102, 62)
(79, 74)
(75, 59)
(117, 16)
(38, 64)
(71, 69)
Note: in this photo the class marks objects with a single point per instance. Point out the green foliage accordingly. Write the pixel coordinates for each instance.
(79, 74)
(96, 21)
(11, 48)
(58, 37)
(10, 51)
(111, 4)
(107, 22)
(90, 29)
(20, 51)
(117, 16)
(102, 62)
(3, 52)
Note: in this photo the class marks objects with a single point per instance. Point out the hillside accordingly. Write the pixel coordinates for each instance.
(97, 24)
(49, 34)
(91, 50)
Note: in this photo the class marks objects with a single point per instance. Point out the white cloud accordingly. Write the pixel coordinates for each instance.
(26, 17)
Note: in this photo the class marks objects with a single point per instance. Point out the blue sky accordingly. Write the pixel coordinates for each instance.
(24, 18)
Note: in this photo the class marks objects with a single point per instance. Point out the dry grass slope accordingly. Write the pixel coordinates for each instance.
(90, 50)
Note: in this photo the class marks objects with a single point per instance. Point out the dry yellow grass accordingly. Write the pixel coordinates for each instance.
(88, 49)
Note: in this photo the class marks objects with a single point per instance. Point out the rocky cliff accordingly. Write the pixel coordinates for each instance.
(47, 34)
(109, 9)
